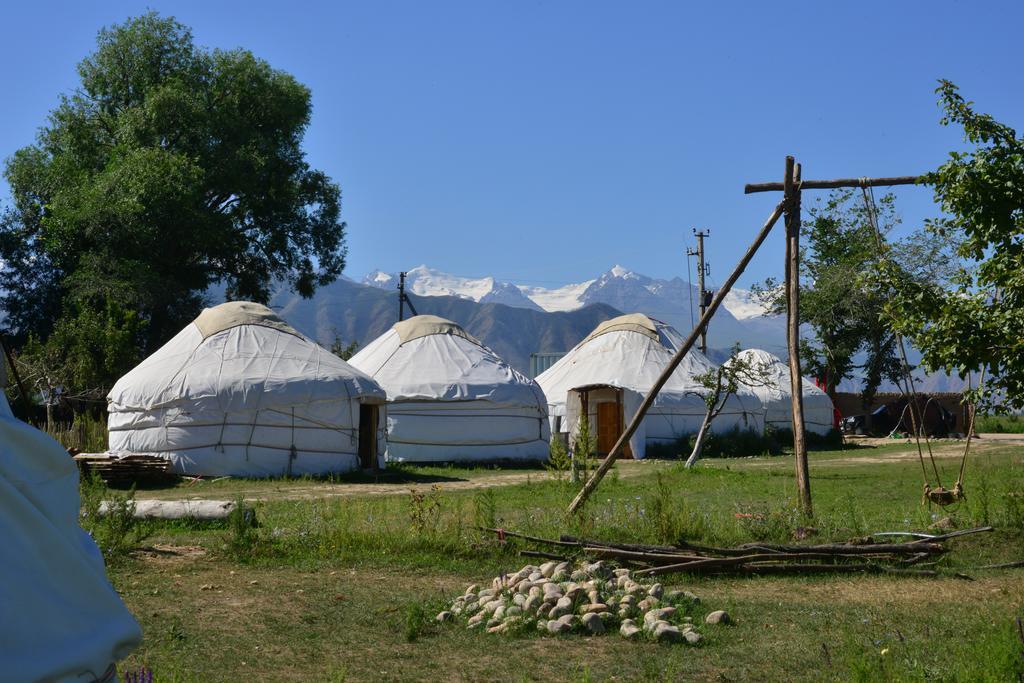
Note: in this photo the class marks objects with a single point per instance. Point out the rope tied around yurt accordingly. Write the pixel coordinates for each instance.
(292, 452)
(220, 437)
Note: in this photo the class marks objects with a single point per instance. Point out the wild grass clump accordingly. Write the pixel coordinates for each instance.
(109, 517)
(242, 535)
(559, 461)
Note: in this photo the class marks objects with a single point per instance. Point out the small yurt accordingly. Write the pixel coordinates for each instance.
(607, 376)
(452, 399)
(776, 396)
(239, 392)
(60, 619)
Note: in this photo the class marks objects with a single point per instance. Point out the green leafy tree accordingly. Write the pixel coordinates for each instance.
(170, 169)
(841, 298)
(342, 350)
(973, 324)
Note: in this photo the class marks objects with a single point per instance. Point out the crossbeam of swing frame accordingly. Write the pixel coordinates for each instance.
(752, 188)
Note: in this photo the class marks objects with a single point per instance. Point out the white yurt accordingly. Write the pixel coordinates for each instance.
(239, 392)
(60, 619)
(776, 396)
(452, 399)
(608, 374)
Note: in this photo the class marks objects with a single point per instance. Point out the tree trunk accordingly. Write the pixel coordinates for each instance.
(698, 446)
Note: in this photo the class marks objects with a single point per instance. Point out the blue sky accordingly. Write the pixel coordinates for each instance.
(543, 142)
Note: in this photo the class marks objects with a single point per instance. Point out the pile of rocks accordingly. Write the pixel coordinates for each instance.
(592, 598)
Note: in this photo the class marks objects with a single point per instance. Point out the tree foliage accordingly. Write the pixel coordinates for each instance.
(721, 383)
(975, 323)
(169, 170)
(841, 297)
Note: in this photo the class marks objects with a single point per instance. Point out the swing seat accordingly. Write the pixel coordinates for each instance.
(942, 496)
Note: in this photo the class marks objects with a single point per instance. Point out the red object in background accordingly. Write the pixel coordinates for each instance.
(824, 385)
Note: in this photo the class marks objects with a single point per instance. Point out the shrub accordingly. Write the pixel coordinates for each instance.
(242, 536)
(109, 517)
(742, 443)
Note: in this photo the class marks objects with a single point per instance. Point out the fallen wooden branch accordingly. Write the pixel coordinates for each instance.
(543, 555)
(638, 547)
(535, 539)
(956, 534)
(859, 555)
(1003, 565)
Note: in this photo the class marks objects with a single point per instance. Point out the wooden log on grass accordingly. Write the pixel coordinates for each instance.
(201, 510)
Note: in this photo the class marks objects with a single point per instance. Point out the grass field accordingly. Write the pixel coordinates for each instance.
(342, 578)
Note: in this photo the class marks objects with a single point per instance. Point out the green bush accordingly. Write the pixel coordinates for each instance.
(742, 443)
(109, 517)
(735, 443)
(242, 536)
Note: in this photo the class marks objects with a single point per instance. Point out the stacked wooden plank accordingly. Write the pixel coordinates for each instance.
(124, 471)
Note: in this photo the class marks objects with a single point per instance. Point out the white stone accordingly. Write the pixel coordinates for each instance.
(445, 616)
(593, 623)
(717, 617)
(629, 629)
(656, 591)
(655, 615)
(666, 632)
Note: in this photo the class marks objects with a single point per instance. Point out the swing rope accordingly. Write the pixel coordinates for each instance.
(938, 495)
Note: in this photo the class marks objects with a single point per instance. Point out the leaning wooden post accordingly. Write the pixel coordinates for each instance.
(609, 460)
(791, 188)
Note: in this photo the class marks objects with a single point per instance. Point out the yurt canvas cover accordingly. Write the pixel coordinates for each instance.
(451, 399)
(239, 392)
(60, 619)
(613, 369)
(777, 394)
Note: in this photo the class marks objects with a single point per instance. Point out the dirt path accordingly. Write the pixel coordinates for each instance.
(286, 491)
(280, 490)
(944, 450)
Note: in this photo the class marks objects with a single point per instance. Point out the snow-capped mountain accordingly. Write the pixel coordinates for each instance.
(744, 305)
(426, 281)
(673, 301)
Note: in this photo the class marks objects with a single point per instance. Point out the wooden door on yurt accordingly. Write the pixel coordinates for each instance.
(368, 415)
(610, 425)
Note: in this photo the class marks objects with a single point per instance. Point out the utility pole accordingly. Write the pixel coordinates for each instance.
(403, 298)
(702, 270)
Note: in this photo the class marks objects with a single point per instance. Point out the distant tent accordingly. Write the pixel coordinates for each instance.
(452, 399)
(60, 619)
(239, 392)
(776, 397)
(608, 375)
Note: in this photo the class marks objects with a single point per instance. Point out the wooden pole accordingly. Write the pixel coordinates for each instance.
(791, 188)
(26, 403)
(607, 463)
(751, 188)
